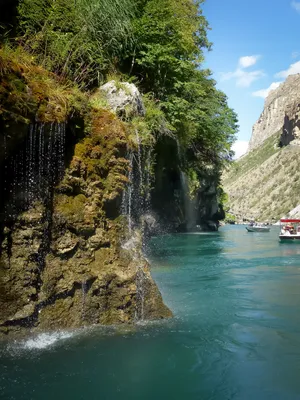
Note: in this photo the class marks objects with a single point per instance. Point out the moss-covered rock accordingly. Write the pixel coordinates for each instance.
(62, 263)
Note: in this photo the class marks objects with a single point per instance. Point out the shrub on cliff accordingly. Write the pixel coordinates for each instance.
(169, 39)
(80, 39)
(158, 44)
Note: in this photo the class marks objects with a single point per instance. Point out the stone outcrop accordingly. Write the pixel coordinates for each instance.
(279, 109)
(291, 126)
(210, 211)
(177, 208)
(264, 184)
(123, 98)
(66, 259)
(70, 255)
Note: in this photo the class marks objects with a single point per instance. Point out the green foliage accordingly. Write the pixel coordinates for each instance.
(193, 182)
(169, 40)
(28, 91)
(80, 39)
(230, 218)
(153, 124)
(223, 199)
(169, 36)
(159, 45)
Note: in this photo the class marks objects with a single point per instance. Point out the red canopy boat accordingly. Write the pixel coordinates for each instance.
(289, 230)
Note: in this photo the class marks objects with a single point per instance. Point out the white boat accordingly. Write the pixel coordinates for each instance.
(257, 228)
(290, 230)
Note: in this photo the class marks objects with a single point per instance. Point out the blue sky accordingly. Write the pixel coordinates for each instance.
(256, 44)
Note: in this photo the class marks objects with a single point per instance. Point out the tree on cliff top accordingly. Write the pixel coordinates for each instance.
(169, 38)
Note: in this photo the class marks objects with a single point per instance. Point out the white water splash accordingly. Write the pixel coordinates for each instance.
(40, 342)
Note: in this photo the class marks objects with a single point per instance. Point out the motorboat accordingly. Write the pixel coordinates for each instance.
(258, 228)
(289, 230)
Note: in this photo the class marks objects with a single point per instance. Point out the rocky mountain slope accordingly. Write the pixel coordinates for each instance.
(279, 102)
(265, 183)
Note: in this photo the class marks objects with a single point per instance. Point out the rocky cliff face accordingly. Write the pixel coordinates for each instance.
(279, 102)
(76, 172)
(291, 127)
(179, 206)
(69, 257)
(264, 184)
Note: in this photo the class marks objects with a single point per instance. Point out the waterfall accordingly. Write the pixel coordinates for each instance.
(140, 292)
(189, 203)
(61, 143)
(139, 160)
(31, 173)
(136, 201)
(31, 183)
(84, 292)
(126, 208)
(133, 200)
(148, 179)
(5, 160)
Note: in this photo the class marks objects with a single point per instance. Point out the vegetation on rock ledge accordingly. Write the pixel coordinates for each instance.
(67, 240)
(264, 184)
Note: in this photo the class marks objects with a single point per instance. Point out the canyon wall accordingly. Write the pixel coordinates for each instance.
(279, 102)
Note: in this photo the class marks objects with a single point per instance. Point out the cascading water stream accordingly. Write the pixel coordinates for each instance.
(139, 160)
(30, 177)
(135, 203)
(189, 203)
(37, 166)
(148, 182)
(127, 198)
(84, 292)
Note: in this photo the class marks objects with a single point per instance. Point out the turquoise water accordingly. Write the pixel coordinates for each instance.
(235, 335)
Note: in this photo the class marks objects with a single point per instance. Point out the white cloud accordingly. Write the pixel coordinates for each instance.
(264, 92)
(240, 147)
(248, 61)
(243, 78)
(293, 69)
(296, 5)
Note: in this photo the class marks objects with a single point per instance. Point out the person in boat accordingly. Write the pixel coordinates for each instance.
(285, 230)
(291, 229)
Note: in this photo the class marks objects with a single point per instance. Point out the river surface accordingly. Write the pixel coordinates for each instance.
(235, 335)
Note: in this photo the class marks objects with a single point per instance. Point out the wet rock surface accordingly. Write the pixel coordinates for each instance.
(63, 263)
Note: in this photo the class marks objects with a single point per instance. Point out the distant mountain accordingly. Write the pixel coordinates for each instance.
(280, 108)
(265, 183)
